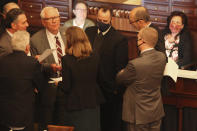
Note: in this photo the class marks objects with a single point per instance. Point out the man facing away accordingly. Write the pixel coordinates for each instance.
(19, 76)
(112, 49)
(139, 18)
(142, 101)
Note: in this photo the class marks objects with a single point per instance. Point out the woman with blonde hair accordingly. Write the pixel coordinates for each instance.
(82, 95)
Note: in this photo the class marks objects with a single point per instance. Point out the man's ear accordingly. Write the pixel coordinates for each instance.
(13, 25)
(74, 12)
(42, 21)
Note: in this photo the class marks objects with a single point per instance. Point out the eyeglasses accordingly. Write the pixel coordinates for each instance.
(81, 10)
(131, 22)
(139, 39)
(52, 18)
(176, 22)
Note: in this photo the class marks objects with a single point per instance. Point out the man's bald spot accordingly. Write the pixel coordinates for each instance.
(7, 7)
(139, 13)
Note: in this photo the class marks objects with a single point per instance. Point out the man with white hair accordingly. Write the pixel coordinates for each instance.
(142, 102)
(49, 38)
(15, 20)
(19, 76)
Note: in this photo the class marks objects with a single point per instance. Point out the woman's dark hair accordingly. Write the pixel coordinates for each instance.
(176, 13)
(12, 16)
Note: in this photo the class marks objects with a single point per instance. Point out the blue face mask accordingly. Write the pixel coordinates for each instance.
(102, 26)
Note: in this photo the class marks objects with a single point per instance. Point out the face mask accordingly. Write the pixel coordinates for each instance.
(175, 28)
(102, 27)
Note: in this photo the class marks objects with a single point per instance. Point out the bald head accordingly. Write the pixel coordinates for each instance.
(139, 13)
(7, 7)
(149, 35)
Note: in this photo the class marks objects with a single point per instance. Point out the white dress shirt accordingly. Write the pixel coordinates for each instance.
(52, 44)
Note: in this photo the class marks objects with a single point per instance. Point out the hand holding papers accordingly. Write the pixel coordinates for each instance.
(45, 54)
(172, 70)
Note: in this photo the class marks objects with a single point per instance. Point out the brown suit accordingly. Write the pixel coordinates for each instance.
(142, 103)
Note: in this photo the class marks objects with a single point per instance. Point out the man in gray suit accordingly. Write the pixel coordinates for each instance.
(47, 39)
(142, 102)
(15, 20)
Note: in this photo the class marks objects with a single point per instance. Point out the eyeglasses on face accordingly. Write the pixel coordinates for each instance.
(52, 18)
(131, 22)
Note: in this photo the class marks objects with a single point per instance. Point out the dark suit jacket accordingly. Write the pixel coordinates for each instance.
(39, 43)
(184, 47)
(19, 75)
(113, 57)
(142, 102)
(5, 44)
(79, 83)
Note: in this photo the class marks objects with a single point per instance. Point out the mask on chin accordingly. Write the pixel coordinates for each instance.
(175, 28)
(102, 26)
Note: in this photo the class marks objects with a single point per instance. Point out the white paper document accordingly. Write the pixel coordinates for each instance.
(45, 54)
(53, 80)
(171, 69)
(187, 74)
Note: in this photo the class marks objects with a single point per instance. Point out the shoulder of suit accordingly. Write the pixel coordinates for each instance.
(38, 34)
(68, 23)
(88, 21)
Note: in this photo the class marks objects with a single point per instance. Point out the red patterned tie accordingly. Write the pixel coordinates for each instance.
(59, 50)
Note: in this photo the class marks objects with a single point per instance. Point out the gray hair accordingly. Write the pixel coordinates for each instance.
(7, 7)
(149, 35)
(20, 40)
(43, 12)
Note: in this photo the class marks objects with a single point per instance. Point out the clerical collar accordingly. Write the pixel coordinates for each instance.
(105, 31)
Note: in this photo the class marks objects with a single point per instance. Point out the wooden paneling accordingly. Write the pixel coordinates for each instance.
(34, 7)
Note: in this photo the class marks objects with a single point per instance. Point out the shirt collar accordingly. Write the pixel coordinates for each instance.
(52, 35)
(9, 33)
(146, 50)
(74, 24)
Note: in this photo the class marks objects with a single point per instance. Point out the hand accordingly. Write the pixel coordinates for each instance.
(37, 57)
(56, 67)
(35, 90)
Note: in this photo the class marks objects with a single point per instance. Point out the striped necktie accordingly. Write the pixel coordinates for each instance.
(59, 50)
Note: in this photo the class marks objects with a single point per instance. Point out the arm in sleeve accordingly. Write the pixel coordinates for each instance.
(121, 58)
(127, 75)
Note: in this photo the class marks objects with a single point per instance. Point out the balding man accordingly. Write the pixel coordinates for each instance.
(142, 102)
(139, 18)
(7, 7)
